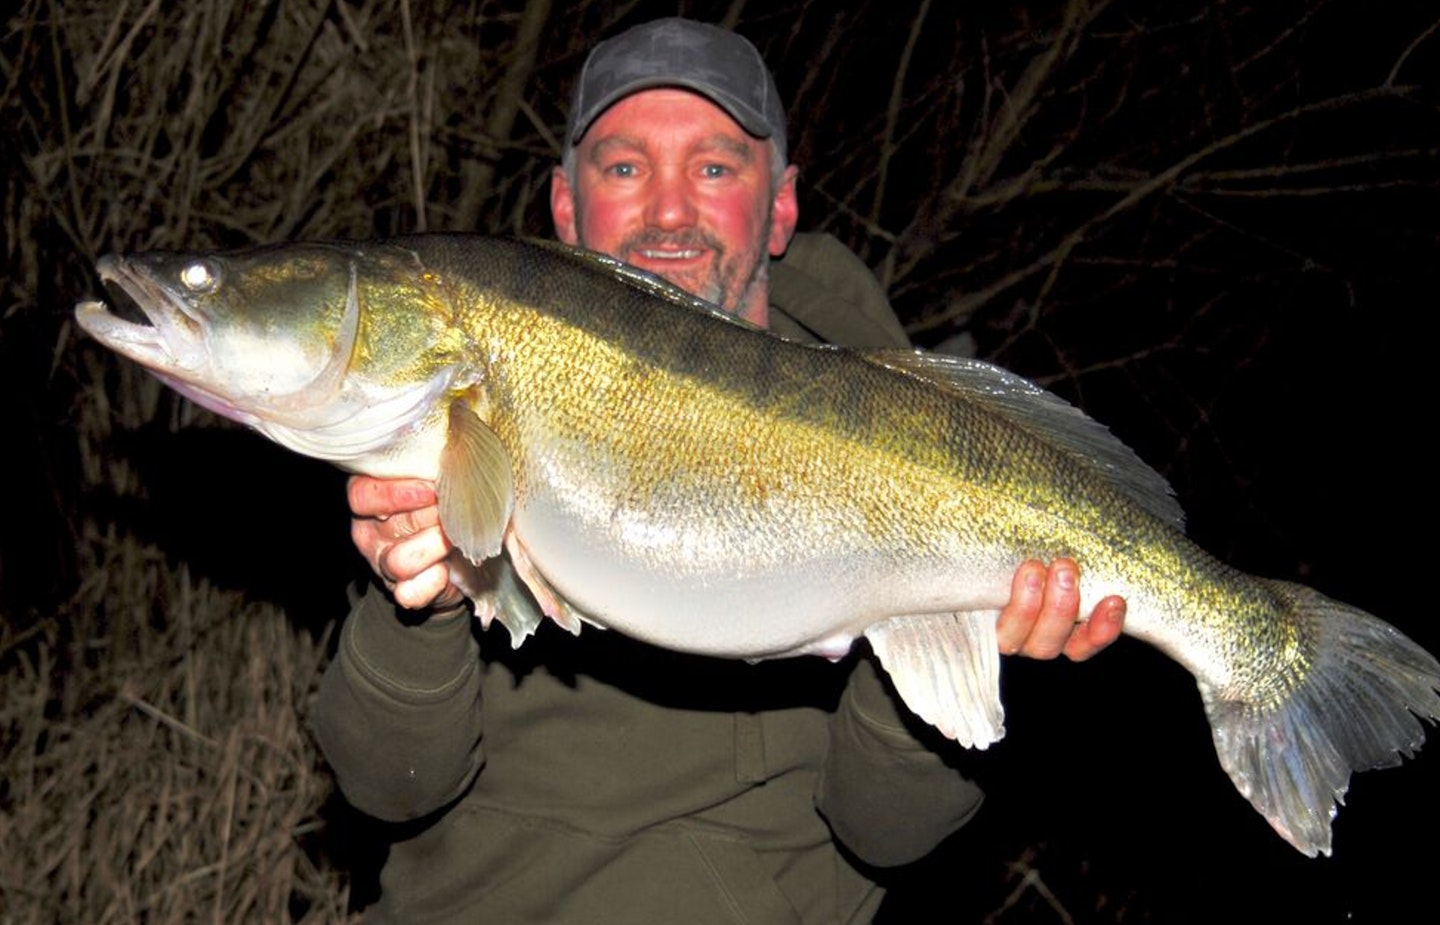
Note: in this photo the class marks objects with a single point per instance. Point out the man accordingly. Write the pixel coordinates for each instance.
(600, 779)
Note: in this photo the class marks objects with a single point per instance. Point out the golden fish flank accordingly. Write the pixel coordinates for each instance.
(653, 466)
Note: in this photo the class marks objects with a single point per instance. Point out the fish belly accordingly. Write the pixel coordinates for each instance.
(703, 586)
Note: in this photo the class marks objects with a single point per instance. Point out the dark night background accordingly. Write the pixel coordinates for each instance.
(1212, 225)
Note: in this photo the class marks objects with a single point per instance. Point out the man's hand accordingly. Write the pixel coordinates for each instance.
(397, 529)
(1040, 620)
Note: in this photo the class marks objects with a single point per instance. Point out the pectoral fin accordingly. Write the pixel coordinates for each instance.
(476, 486)
(946, 667)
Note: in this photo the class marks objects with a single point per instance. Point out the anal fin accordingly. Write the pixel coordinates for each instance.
(946, 667)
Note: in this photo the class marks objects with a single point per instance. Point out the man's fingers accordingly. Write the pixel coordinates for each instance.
(384, 498)
(414, 555)
(396, 527)
(1040, 620)
(1106, 623)
(424, 589)
(375, 537)
(1027, 595)
(1058, 611)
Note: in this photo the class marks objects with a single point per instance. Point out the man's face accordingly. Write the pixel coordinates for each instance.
(666, 180)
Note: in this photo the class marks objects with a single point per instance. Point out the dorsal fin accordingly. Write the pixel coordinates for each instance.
(1045, 415)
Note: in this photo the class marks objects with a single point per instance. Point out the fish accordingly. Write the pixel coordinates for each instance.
(611, 451)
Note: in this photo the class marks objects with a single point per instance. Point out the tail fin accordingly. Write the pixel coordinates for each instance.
(1353, 708)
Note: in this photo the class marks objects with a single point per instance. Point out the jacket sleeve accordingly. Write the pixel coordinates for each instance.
(888, 796)
(398, 711)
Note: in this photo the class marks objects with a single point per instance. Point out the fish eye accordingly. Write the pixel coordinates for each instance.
(201, 276)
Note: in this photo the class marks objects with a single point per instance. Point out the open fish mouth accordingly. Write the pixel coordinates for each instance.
(147, 322)
(122, 305)
(143, 319)
(168, 314)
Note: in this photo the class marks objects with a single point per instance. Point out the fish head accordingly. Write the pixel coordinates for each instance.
(332, 350)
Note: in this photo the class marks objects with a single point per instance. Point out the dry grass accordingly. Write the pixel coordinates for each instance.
(155, 765)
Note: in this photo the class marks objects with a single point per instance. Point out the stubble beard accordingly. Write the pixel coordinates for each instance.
(729, 282)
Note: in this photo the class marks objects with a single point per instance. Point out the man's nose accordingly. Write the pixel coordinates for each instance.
(671, 204)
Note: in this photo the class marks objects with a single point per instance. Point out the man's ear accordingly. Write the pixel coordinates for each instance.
(784, 212)
(562, 206)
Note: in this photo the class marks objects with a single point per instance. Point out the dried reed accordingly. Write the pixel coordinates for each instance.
(155, 763)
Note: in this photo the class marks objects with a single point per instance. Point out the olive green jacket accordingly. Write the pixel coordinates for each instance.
(595, 779)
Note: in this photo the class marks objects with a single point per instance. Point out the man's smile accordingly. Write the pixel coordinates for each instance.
(656, 254)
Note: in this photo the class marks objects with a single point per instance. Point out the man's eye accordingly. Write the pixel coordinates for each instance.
(714, 171)
(624, 171)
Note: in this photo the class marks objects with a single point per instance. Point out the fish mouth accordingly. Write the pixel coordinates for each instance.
(190, 346)
(122, 305)
(143, 320)
(147, 322)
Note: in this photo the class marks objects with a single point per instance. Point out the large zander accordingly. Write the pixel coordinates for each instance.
(653, 466)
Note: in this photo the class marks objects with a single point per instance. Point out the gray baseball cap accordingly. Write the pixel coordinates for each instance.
(712, 61)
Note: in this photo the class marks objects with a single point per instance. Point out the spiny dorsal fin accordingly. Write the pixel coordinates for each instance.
(1047, 416)
(476, 487)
